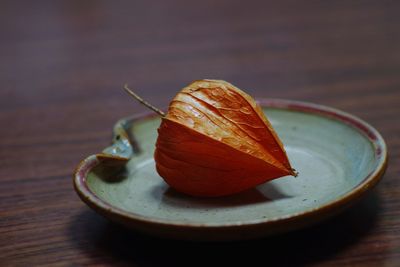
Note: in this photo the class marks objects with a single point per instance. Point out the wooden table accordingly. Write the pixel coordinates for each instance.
(62, 67)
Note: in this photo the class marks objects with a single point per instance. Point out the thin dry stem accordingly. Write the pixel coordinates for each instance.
(143, 102)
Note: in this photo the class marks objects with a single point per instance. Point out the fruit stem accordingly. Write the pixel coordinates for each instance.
(143, 102)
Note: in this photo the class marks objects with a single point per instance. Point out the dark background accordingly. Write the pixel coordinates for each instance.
(62, 67)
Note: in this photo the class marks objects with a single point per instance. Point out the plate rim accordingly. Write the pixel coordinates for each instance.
(367, 183)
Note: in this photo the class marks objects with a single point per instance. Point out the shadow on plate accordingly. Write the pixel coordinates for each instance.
(111, 173)
(97, 238)
(171, 197)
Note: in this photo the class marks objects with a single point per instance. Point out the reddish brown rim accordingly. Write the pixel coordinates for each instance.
(325, 210)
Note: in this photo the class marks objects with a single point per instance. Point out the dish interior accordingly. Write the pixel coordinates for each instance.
(331, 157)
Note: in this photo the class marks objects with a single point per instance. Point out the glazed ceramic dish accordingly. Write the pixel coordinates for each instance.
(338, 156)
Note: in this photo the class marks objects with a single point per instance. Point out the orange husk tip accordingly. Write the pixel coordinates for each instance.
(216, 141)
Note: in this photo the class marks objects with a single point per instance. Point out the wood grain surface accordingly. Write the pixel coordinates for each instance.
(62, 67)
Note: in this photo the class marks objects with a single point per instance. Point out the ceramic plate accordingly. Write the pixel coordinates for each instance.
(338, 156)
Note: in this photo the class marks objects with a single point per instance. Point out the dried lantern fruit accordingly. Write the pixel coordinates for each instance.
(215, 141)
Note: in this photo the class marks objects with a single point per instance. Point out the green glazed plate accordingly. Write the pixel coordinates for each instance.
(338, 156)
